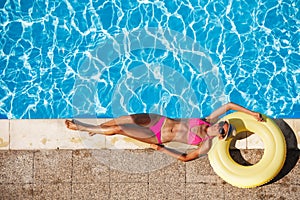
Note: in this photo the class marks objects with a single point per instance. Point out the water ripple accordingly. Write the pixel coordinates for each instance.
(66, 58)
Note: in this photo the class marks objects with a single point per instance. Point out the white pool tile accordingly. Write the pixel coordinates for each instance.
(254, 142)
(4, 134)
(290, 122)
(51, 134)
(296, 129)
(295, 126)
(241, 144)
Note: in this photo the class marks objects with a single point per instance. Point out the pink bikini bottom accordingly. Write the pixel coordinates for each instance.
(156, 129)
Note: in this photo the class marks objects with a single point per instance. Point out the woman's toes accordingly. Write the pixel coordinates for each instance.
(70, 125)
(67, 123)
(92, 134)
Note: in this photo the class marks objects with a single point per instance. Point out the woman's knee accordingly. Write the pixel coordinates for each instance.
(143, 119)
(111, 130)
(117, 129)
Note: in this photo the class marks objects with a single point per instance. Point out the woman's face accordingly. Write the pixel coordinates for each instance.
(219, 129)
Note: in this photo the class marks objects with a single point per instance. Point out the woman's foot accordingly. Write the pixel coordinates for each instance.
(92, 134)
(77, 125)
(91, 129)
(70, 124)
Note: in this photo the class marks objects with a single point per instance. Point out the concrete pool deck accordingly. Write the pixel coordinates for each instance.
(41, 159)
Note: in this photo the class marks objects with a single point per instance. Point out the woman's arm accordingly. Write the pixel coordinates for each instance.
(202, 150)
(232, 106)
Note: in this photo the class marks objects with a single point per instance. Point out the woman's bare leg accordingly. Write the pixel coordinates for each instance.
(92, 129)
(145, 120)
(131, 130)
(139, 133)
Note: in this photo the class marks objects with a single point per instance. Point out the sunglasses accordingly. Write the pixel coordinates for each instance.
(221, 129)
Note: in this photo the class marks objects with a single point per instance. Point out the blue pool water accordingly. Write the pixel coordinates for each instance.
(80, 58)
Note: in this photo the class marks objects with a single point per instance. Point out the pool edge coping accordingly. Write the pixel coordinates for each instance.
(37, 134)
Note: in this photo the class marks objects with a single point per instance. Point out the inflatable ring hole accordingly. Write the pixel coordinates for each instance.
(246, 148)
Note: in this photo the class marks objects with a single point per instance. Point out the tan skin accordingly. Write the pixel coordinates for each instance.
(137, 127)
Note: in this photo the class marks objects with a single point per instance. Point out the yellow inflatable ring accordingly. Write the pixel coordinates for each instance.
(260, 173)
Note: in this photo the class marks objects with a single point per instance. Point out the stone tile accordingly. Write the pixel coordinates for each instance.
(251, 156)
(52, 191)
(126, 191)
(291, 170)
(280, 191)
(91, 166)
(90, 191)
(161, 166)
(173, 173)
(51, 134)
(123, 142)
(53, 166)
(130, 161)
(4, 134)
(16, 191)
(16, 167)
(205, 191)
(200, 171)
(159, 161)
(170, 190)
(231, 192)
(117, 176)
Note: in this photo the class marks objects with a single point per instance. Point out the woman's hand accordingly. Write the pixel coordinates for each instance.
(258, 116)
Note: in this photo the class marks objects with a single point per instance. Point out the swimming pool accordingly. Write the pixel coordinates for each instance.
(64, 59)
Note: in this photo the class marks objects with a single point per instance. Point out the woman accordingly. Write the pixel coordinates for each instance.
(156, 130)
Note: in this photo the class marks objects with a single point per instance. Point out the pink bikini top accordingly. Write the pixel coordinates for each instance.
(193, 138)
